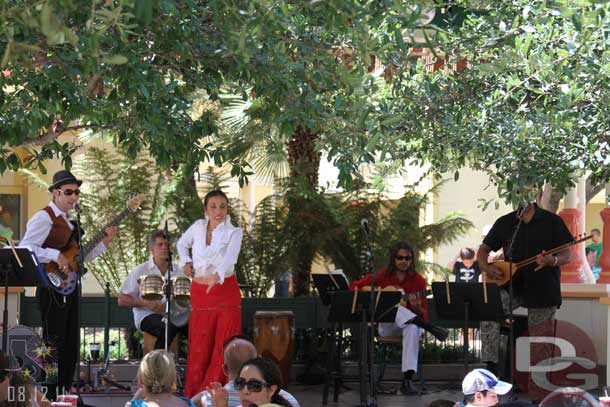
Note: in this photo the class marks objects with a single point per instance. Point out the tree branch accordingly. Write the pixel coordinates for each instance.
(57, 129)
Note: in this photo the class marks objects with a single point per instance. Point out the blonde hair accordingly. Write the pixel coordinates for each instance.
(157, 372)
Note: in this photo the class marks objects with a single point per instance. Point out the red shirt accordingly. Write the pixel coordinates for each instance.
(413, 282)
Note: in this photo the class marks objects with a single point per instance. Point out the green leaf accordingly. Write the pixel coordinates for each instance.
(115, 60)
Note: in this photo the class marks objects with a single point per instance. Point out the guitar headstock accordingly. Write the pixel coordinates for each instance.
(135, 201)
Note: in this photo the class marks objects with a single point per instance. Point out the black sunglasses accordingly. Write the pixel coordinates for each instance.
(403, 257)
(68, 192)
(253, 385)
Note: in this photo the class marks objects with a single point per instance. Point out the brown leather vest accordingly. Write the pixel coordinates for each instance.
(60, 233)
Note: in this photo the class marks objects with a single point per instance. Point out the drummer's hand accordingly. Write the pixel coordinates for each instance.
(220, 395)
(109, 234)
(155, 306)
(188, 269)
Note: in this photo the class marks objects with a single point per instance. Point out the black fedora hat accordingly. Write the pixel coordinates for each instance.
(64, 177)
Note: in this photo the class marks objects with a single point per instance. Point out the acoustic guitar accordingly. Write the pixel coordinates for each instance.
(505, 265)
(65, 282)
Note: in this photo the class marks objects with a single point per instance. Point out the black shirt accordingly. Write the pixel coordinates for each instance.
(545, 231)
(464, 274)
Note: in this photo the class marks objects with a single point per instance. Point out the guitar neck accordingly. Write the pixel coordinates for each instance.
(99, 236)
(558, 249)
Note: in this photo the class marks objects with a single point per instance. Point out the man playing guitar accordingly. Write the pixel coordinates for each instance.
(410, 317)
(49, 232)
(537, 285)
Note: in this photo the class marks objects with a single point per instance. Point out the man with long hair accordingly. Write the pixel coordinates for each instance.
(411, 316)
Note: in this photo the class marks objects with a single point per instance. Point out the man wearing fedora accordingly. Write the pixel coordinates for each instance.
(48, 233)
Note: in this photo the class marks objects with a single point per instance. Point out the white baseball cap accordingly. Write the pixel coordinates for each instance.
(483, 379)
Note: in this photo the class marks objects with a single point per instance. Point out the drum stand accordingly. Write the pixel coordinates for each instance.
(167, 317)
(168, 288)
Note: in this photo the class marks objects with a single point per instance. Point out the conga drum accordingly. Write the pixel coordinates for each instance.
(274, 338)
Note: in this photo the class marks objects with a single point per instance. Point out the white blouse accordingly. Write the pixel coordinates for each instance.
(219, 257)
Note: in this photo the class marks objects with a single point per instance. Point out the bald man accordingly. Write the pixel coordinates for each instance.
(237, 351)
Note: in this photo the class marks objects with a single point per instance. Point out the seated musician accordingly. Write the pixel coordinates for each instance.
(148, 314)
(410, 317)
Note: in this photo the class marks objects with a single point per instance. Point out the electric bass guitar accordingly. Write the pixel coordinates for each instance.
(505, 265)
(64, 282)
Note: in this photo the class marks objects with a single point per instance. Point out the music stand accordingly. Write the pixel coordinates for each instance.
(22, 272)
(345, 309)
(326, 284)
(467, 304)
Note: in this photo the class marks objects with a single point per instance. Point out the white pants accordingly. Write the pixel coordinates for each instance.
(410, 336)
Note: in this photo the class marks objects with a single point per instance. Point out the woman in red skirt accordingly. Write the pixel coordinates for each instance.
(208, 252)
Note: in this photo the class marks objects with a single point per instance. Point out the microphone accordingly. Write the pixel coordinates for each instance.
(166, 231)
(522, 208)
(77, 207)
(365, 226)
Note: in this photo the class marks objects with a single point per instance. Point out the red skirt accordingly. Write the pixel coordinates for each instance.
(215, 317)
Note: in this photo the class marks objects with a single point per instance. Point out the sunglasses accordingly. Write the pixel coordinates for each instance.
(68, 192)
(253, 385)
(403, 257)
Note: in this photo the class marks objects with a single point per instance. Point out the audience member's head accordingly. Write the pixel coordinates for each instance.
(597, 235)
(157, 373)
(467, 256)
(259, 382)
(569, 397)
(237, 351)
(481, 388)
(4, 377)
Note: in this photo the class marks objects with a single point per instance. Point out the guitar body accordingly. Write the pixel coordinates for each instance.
(64, 282)
(505, 267)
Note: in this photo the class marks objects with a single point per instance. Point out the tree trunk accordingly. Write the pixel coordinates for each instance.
(304, 161)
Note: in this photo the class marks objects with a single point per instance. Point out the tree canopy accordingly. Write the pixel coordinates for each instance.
(530, 106)
(135, 70)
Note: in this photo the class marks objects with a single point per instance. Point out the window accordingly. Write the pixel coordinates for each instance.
(10, 216)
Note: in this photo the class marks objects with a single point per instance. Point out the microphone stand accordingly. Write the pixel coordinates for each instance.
(168, 288)
(80, 260)
(509, 257)
(372, 402)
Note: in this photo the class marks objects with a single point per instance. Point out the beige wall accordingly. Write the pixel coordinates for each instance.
(464, 196)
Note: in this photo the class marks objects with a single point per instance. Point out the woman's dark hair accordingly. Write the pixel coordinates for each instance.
(212, 194)
(401, 245)
(271, 375)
